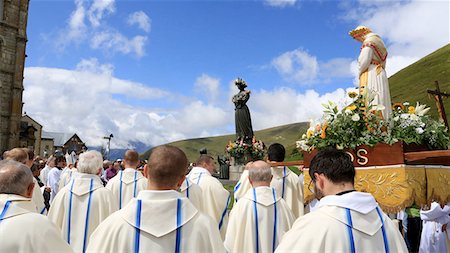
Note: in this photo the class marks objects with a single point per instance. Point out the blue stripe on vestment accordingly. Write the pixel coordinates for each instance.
(256, 220)
(5, 209)
(350, 231)
(86, 226)
(138, 227)
(178, 235)
(70, 212)
(386, 243)
(274, 241)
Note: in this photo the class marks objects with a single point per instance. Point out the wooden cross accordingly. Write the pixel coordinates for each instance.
(438, 95)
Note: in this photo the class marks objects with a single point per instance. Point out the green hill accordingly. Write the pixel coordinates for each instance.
(411, 83)
(286, 135)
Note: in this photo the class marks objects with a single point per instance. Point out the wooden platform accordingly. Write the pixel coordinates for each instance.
(435, 157)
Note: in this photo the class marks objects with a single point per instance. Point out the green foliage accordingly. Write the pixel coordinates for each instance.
(361, 124)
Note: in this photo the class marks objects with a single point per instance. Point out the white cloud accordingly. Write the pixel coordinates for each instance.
(411, 29)
(87, 24)
(280, 3)
(88, 100)
(114, 41)
(141, 19)
(297, 66)
(285, 105)
(209, 86)
(99, 9)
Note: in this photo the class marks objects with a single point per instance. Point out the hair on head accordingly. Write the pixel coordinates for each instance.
(276, 152)
(166, 165)
(90, 162)
(30, 153)
(335, 164)
(15, 177)
(259, 171)
(131, 157)
(16, 154)
(204, 159)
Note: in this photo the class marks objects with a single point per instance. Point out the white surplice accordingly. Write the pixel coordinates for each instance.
(157, 221)
(285, 183)
(53, 182)
(38, 198)
(126, 185)
(193, 192)
(258, 221)
(215, 197)
(432, 238)
(66, 176)
(22, 230)
(43, 175)
(352, 222)
(80, 207)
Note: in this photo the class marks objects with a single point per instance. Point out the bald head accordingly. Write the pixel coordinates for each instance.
(166, 167)
(131, 159)
(15, 178)
(16, 154)
(259, 173)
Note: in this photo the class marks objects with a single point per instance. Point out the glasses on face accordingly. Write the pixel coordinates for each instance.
(311, 186)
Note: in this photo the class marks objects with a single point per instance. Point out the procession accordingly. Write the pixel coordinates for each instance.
(369, 174)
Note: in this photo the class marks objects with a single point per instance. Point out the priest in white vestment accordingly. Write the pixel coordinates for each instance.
(129, 182)
(284, 181)
(345, 220)
(371, 65)
(215, 197)
(434, 229)
(21, 155)
(55, 175)
(44, 172)
(160, 219)
(66, 175)
(261, 217)
(21, 228)
(83, 204)
(193, 192)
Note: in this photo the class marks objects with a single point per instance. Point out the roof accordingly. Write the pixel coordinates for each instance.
(59, 139)
(28, 116)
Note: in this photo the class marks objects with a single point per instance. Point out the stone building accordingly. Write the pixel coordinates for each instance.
(30, 134)
(65, 142)
(13, 39)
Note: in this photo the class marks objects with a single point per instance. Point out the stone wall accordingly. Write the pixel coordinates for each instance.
(13, 39)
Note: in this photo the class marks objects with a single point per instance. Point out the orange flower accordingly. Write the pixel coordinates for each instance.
(324, 131)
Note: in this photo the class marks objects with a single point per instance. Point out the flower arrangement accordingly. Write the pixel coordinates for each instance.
(361, 123)
(241, 150)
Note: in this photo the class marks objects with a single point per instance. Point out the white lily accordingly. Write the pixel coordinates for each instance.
(356, 117)
(421, 109)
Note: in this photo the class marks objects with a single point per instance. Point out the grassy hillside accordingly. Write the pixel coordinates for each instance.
(286, 135)
(411, 83)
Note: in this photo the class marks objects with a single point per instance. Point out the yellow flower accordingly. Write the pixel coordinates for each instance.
(352, 94)
(309, 133)
(411, 110)
(351, 107)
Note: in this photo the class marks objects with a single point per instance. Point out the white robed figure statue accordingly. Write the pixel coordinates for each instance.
(371, 66)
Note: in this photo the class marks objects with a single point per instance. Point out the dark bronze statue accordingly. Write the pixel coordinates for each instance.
(243, 121)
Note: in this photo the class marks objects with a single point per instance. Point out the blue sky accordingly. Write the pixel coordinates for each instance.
(159, 71)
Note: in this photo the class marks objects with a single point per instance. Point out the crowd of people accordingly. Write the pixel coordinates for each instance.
(165, 205)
